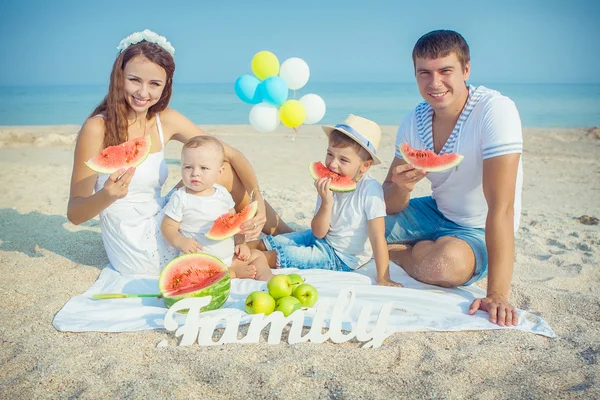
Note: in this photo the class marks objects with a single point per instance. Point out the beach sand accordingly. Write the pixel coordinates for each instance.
(45, 260)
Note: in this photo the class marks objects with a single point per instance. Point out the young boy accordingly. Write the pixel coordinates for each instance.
(193, 208)
(348, 228)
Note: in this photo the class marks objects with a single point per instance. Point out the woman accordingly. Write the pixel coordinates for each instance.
(129, 202)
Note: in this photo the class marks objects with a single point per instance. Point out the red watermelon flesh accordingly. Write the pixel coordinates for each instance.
(338, 182)
(195, 275)
(228, 225)
(429, 161)
(125, 155)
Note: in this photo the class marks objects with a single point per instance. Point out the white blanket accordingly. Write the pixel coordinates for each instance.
(417, 306)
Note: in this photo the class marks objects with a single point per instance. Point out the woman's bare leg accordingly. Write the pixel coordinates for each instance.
(229, 179)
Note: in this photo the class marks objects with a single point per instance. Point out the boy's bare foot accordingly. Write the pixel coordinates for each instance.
(242, 271)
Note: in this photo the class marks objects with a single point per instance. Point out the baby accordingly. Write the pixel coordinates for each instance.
(192, 209)
(348, 228)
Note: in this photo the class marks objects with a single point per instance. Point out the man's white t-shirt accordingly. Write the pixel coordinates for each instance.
(489, 126)
(349, 226)
(196, 215)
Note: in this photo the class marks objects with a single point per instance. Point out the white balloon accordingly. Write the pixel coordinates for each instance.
(264, 117)
(315, 108)
(295, 72)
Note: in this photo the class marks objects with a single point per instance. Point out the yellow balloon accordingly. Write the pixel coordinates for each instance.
(265, 64)
(292, 113)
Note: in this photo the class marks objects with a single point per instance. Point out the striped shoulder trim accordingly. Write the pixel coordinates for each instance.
(502, 149)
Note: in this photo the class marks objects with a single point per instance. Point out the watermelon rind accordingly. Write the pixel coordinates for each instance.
(438, 168)
(245, 215)
(343, 188)
(218, 290)
(91, 164)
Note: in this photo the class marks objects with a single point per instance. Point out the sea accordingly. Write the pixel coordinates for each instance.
(539, 105)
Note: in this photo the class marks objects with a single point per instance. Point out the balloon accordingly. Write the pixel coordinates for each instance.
(274, 90)
(315, 108)
(292, 113)
(264, 117)
(246, 89)
(265, 64)
(295, 72)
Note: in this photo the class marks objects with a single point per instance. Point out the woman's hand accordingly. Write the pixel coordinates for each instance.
(253, 228)
(117, 184)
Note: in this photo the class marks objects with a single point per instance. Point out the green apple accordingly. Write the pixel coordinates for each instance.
(260, 302)
(280, 286)
(307, 294)
(296, 280)
(287, 305)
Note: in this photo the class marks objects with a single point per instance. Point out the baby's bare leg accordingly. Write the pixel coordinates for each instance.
(242, 269)
(271, 255)
(259, 260)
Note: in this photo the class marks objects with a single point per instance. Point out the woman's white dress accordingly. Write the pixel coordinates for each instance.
(131, 226)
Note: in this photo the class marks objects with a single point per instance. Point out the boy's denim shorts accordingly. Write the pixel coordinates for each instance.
(422, 220)
(303, 250)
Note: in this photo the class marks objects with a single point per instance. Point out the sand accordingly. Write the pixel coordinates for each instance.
(44, 260)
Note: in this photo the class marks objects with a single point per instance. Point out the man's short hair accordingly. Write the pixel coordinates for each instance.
(442, 43)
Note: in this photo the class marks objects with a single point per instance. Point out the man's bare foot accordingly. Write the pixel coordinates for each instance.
(242, 271)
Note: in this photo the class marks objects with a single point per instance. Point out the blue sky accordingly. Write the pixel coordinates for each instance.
(74, 42)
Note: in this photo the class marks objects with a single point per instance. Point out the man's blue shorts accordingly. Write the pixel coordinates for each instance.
(422, 220)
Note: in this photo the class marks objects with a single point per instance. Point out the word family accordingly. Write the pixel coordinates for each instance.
(200, 327)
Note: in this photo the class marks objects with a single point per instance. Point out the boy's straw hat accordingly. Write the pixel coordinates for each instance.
(363, 131)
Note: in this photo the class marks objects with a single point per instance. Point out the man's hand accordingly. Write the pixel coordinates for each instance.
(406, 176)
(388, 282)
(498, 307)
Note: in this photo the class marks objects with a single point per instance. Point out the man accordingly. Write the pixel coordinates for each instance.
(468, 223)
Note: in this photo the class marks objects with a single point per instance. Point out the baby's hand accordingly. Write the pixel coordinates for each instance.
(388, 282)
(243, 252)
(188, 245)
(322, 186)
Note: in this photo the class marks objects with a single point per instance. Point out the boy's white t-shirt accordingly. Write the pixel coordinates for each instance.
(349, 230)
(489, 126)
(196, 214)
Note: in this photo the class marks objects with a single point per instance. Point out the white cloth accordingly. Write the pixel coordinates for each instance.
(197, 214)
(417, 306)
(131, 226)
(350, 215)
(489, 126)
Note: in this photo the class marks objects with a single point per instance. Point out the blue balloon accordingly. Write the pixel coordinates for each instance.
(246, 88)
(274, 90)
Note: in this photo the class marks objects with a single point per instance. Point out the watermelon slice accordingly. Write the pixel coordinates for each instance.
(228, 225)
(195, 275)
(124, 155)
(429, 161)
(338, 182)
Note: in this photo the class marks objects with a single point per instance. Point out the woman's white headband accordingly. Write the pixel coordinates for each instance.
(148, 36)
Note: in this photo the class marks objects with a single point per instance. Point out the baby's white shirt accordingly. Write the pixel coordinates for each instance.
(196, 215)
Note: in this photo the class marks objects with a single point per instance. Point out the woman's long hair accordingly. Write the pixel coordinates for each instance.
(114, 107)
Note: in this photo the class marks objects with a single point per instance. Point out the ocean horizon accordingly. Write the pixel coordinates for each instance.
(539, 104)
